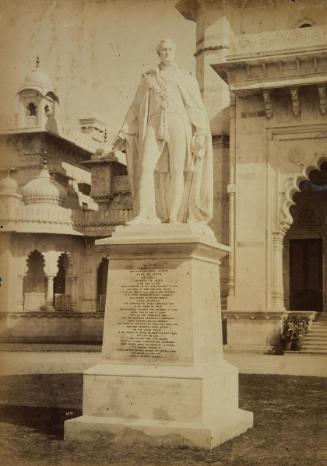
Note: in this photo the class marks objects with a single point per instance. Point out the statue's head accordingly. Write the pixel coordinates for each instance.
(166, 50)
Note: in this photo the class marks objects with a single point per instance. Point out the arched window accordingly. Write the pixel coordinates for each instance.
(62, 299)
(102, 275)
(34, 286)
(31, 109)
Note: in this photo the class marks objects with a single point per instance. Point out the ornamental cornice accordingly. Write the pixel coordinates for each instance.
(263, 75)
(247, 315)
(189, 8)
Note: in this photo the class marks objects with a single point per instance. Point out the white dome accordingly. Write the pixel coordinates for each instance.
(8, 186)
(43, 189)
(39, 81)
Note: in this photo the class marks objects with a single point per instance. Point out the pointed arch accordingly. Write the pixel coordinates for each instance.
(291, 186)
(34, 283)
(62, 297)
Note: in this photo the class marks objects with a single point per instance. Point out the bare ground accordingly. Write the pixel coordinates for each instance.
(290, 426)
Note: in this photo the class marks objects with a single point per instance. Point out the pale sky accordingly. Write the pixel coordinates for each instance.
(94, 51)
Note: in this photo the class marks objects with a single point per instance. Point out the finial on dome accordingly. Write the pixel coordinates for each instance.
(44, 162)
(10, 169)
(37, 63)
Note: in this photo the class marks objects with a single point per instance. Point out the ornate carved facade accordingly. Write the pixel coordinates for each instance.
(264, 83)
(270, 60)
(59, 191)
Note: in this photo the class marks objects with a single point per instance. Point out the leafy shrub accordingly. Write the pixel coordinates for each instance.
(293, 328)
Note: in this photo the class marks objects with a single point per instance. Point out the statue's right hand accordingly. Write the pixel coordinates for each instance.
(119, 144)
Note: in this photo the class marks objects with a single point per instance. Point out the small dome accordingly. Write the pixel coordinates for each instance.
(8, 186)
(43, 189)
(39, 81)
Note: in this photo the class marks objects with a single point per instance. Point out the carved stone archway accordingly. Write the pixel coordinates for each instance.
(34, 282)
(289, 185)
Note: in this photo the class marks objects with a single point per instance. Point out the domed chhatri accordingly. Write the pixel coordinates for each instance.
(39, 81)
(37, 101)
(44, 190)
(8, 186)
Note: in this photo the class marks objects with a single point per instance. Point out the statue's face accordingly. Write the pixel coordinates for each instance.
(166, 53)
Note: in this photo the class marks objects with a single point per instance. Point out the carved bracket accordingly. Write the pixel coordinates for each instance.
(322, 99)
(296, 106)
(267, 104)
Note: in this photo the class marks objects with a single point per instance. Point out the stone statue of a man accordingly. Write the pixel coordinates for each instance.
(167, 139)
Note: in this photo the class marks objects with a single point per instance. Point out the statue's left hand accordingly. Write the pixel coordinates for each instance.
(198, 145)
(119, 144)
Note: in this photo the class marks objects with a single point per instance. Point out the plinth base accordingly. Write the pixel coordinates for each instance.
(194, 406)
(156, 433)
(162, 379)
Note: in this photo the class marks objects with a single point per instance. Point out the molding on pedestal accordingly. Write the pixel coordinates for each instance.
(255, 315)
(52, 315)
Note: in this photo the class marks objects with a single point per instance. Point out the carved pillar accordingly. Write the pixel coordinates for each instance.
(277, 271)
(74, 292)
(19, 293)
(231, 191)
(51, 269)
(324, 261)
(89, 289)
(50, 293)
(322, 99)
(16, 291)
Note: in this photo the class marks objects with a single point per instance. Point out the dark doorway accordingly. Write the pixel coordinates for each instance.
(306, 289)
(102, 275)
(62, 299)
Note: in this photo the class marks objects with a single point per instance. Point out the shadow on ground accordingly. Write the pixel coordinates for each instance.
(290, 418)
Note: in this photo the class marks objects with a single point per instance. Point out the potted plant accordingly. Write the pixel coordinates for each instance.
(293, 329)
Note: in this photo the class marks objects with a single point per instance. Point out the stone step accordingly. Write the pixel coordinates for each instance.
(314, 340)
(310, 351)
(314, 346)
(315, 337)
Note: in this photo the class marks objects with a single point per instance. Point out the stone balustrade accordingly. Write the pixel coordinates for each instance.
(107, 217)
(46, 217)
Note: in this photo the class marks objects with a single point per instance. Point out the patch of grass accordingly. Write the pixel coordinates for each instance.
(290, 419)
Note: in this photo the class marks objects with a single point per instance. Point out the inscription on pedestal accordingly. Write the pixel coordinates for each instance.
(148, 315)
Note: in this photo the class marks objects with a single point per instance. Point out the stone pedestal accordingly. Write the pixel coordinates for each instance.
(162, 377)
